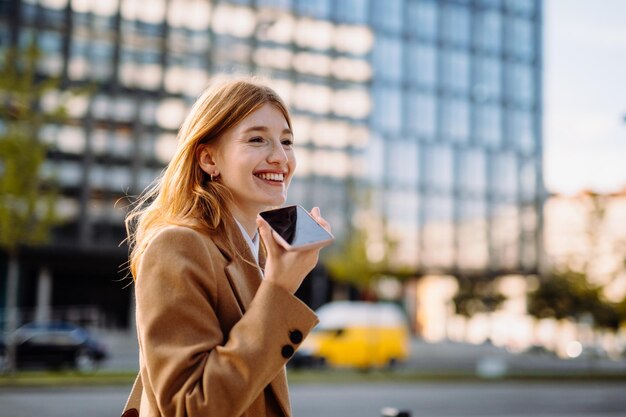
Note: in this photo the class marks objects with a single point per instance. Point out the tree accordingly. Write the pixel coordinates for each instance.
(569, 294)
(477, 296)
(365, 255)
(27, 196)
(576, 288)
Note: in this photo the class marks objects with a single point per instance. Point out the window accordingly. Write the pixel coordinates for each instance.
(473, 172)
(421, 18)
(488, 125)
(488, 31)
(520, 83)
(528, 181)
(455, 24)
(375, 160)
(473, 250)
(387, 15)
(487, 76)
(388, 57)
(520, 130)
(439, 167)
(318, 8)
(276, 4)
(455, 70)
(421, 114)
(455, 120)
(388, 113)
(351, 11)
(504, 236)
(521, 6)
(401, 209)
(504, 176)
(402, 162)
(101, 59)
(438, 231)
(520, 40)
(421, 64)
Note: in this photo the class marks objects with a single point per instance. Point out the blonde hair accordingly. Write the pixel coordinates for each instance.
(184, 194)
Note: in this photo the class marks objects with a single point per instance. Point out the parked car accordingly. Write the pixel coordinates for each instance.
(55, 345)
(356, 334)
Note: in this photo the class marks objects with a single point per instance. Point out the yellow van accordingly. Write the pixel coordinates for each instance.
(359, 334)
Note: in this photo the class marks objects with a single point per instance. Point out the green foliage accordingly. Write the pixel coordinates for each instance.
(27, 199)
(350, 264)
(477, 296)
(568, 294)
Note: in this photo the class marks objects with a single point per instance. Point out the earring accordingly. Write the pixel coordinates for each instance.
(213, 176)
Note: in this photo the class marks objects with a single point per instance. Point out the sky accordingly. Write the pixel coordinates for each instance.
(584, 126)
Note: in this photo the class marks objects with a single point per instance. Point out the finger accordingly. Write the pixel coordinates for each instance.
(317, 215)
(265, 231)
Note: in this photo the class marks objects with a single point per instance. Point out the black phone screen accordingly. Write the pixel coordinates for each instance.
(295, 226)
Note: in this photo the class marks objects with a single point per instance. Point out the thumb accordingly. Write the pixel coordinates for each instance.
(265, 231)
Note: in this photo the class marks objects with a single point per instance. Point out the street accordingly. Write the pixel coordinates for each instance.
(422, 399)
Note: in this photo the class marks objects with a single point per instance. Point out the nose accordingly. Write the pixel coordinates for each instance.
(277, 155)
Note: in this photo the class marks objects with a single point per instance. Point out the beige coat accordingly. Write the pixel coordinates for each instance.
(213, 336)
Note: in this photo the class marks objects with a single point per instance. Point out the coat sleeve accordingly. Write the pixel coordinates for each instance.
(192, 368)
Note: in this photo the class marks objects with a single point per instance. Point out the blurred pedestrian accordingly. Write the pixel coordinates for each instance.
(217, 318)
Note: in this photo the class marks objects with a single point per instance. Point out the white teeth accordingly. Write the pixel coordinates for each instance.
(271, 176)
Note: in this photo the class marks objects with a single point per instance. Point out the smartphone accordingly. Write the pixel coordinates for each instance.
(295, 229)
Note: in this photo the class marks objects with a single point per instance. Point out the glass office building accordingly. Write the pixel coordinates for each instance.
(431, 109)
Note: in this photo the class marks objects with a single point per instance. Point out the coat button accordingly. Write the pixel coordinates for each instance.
(295, 336)
(287, 351)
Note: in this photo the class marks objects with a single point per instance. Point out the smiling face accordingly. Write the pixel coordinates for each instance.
(254, 160)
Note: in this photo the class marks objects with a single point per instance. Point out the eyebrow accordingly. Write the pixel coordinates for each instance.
(265, 129)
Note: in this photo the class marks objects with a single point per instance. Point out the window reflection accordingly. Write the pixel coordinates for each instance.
(488, 30)
(438, 231)
(504, 176)
(421, 114)
(473, 171)
(351, 11)
(388, 57)
(387, 15)
(401, 208)
(520, 37)
(488, 80)
(489, 125)
(455, 66)
(455, 28)
(422, 64)
(520, 130)
(504, 236)
(388, 112)
(421, 18)
(403, 163)
(473, 246)
(520, 83)
(455, 119)
(439, 167)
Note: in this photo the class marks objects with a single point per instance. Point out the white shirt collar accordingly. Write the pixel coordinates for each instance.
(253, 243)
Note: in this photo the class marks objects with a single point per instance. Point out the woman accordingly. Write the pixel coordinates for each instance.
(216, 321)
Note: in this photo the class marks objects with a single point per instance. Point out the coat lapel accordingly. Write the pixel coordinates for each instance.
(243, 276)
(244, 279)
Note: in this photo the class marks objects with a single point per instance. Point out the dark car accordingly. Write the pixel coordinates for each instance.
(55, 345)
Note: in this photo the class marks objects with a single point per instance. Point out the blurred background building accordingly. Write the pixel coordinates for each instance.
(419, 120)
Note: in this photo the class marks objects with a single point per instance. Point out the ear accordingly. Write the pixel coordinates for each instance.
(206, 160)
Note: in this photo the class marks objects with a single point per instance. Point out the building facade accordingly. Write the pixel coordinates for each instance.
(430, 109)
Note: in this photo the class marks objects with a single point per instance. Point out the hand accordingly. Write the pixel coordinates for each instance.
(288, 268)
